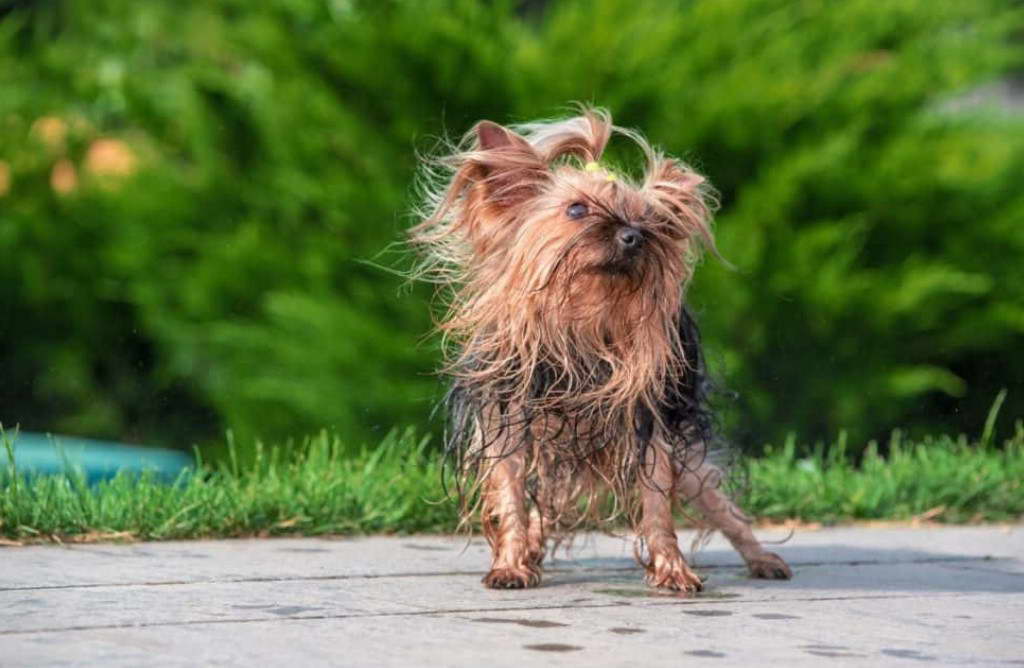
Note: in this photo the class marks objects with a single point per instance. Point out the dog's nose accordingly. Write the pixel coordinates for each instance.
(629, 238)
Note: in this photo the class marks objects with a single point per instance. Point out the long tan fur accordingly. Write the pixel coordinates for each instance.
(570, 352)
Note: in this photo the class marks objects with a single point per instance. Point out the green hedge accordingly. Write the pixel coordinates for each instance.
(227, 278)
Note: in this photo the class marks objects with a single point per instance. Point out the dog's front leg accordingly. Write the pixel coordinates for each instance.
(701, 485)
(666, 567)
(506, 523)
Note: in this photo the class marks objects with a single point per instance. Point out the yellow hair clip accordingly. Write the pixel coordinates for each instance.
(594, 167)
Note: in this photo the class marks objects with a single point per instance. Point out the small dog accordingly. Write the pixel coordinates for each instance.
(576, 367)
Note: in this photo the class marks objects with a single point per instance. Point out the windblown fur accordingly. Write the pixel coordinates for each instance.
(567, 337)
(542, 327)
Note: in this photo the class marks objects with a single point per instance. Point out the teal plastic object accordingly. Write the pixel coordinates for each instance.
(36, 454)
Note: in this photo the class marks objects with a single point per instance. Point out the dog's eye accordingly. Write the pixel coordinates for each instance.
(577, 210)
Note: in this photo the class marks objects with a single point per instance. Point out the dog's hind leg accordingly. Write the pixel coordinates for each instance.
(701, 485)
(553, 498)
(542, 514)
(536, 537)
(506, 523)
(666, 567)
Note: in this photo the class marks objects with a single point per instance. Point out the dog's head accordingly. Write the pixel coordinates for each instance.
(532, 213)
(554, 255)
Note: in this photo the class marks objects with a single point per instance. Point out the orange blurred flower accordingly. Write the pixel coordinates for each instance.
(50, 130)
(63, 177)
(110, 157)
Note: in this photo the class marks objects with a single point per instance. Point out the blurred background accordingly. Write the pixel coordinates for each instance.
(195, 196)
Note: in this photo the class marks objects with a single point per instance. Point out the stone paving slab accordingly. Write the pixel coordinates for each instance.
(864, 596)
(282, 558)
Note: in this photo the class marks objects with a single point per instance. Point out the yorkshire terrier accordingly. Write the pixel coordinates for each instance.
(576, 367)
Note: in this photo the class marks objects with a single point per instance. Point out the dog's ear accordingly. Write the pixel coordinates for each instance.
(683, 196)
(494, 175)
(491, 136)
(506, 167)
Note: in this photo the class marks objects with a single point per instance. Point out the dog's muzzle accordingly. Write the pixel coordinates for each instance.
(629, 240)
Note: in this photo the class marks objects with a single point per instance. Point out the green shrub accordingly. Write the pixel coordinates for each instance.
(223, 281)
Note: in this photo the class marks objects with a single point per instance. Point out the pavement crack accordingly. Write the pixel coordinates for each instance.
(439, 611)
(297, 618)
(971, 567)
(431, 574)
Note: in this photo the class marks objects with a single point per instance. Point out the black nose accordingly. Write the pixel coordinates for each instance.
(629, 238)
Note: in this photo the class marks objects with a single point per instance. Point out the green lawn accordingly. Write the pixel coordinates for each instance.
(397, 487)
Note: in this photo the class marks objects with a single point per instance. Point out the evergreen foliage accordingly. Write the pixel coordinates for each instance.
(194, 196)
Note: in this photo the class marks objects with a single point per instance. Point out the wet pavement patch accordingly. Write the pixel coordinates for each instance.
(282, 610)
(908, 654)
(774, 615)
(532, 623)
(628, 593)
(648, 592)
(707, 613)
(708, 653)
(290, 610)
(623, 592)
(824, 647)
(553, 647)
(120, 553)
(714, 594)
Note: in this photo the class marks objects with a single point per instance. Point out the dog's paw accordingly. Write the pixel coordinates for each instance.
(512, 578)
(672, 573)
(769, 566)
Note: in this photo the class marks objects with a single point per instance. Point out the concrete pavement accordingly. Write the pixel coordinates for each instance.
(861, 596)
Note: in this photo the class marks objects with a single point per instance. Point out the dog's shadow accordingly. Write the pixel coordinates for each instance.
(835, 567)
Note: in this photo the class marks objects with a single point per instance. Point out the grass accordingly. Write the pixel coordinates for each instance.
(941, 479)
(321, 488)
